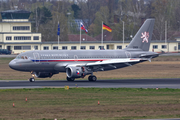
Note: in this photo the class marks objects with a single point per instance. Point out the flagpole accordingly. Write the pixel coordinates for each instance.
(80, 38)
(58, 37)
(102, 36)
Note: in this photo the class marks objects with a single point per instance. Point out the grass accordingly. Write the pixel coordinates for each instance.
(82, 103)
(161, 67)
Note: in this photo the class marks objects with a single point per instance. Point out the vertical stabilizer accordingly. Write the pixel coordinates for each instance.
(142, 39)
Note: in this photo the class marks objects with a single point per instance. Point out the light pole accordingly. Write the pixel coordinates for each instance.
(123, 33)
(68, 21)
(178, 25)
(166, 36)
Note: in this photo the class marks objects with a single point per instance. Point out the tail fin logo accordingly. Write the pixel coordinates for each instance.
(145, 37)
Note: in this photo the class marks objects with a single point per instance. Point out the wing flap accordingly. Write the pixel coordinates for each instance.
(111, 61)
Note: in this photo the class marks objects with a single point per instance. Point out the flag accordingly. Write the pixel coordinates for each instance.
(58, 32)
(77, 72)
(83, 28)
(107, 27)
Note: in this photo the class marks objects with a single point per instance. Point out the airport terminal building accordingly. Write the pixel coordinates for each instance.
(16, 35)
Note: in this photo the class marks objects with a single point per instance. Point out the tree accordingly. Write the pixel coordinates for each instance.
(89, 9)
(49, 30)
(46, 22)
(42, 15)
(101, 15)
(45, 15)
(161, 13)
(76, 10)
(132, 12)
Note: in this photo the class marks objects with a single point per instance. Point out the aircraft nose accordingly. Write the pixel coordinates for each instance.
(12, 64)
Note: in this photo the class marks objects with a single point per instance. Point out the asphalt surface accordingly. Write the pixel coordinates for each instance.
(128, 83)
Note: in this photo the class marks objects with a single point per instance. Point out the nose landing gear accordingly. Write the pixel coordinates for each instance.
(32, 79)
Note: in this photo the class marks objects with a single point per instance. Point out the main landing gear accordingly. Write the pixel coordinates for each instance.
(31, 79)
(70, 79)
(92, 78)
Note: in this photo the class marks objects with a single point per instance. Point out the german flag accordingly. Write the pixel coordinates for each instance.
(107, 27)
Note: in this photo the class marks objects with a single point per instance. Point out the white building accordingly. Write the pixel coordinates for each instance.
(16, 35)
(15, 31)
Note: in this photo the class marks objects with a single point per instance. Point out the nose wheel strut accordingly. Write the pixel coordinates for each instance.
(32, 79)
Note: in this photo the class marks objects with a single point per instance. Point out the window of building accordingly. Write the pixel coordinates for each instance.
(55, 47)
(91, 47)
(22, 47)
(119, 47)
(46, 47)
(101, 47)
(107, 46)
(163, 46)
(155, 46)
(26, 47)
(9, 48)
(36, 38)
(0, 46)
(21, 28)
(8, 38)
(83, 47)
(64, 47)
(73, 47)
(22, 38)
(36, 47)
(17, 47)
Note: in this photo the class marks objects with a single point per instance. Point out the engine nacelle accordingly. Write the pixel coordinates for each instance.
(77, 72)
(74, 72)
(43, 74)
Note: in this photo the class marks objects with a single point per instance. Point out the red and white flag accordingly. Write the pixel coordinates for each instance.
(83, 28)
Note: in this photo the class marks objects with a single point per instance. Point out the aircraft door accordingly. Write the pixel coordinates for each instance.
(75, 58)
(36, 58)
(128, 54)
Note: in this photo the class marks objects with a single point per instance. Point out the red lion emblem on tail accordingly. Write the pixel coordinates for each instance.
(145, 36)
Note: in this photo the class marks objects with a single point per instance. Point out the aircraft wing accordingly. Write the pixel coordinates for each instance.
(112, 61)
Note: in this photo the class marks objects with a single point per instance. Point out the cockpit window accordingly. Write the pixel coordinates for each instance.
(21, 57)
(18, 57)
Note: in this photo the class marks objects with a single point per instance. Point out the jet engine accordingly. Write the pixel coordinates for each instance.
(43, 74)
(76, 72)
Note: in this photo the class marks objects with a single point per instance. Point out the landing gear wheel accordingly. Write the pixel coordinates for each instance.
(92, 78)
(31, 80)
(70, 79)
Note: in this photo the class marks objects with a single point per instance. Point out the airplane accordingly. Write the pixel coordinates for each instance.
(79, 63)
